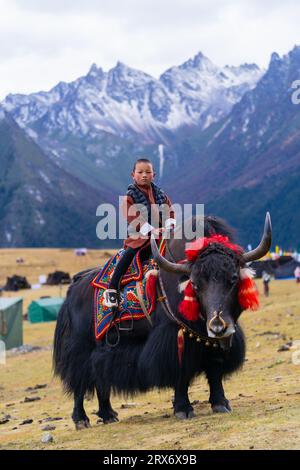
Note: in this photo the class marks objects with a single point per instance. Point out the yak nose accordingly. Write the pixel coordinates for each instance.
(217, 325)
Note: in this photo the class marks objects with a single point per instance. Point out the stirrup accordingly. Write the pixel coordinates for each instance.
(110, 298)
(130, 328)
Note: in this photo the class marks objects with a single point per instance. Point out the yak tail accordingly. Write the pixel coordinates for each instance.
(62, 332)
(72, 354)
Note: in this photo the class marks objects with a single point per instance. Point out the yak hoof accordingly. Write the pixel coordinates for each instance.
(111, 413)
(220, 409)
(107, 417)
(184, 415)
(112, 419)
(83, 424)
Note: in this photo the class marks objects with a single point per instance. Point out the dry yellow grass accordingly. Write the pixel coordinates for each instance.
(43, 261)
(265, 395)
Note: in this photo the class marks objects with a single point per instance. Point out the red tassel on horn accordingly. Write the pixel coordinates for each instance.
(193, 248)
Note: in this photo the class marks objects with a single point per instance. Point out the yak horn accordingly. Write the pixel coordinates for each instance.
(265, 243)
(163, 263)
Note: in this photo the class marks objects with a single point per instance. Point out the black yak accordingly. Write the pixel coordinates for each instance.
(148, 357)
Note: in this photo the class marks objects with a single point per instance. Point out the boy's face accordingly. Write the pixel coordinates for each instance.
(143, 174)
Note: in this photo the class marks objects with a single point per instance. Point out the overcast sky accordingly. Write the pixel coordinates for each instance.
(45, 41)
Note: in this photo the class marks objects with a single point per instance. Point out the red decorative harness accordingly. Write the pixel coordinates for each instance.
(248, 296)
(189, 307)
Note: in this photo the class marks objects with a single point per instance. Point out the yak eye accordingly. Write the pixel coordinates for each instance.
(234, 278)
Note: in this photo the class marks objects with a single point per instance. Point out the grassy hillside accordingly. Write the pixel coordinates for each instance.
(36, 193)
(246, 208)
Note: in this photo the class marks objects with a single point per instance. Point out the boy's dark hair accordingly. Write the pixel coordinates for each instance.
(142, 160)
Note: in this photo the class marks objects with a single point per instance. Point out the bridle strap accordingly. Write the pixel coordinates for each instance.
(170, 314)
(170, 252)
(165, 302)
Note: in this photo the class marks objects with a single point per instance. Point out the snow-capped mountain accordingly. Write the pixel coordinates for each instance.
(97, 125)
(232, 132)
(249, 162)
(204, 93)
(125, 101)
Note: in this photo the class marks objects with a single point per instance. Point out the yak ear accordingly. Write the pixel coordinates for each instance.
(247, 272)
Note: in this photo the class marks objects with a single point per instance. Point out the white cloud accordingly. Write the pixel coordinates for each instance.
(43, 42)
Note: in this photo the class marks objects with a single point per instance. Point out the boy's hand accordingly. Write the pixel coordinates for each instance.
(157, 231)
(170, 224)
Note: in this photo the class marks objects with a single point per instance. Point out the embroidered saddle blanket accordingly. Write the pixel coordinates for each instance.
(129, 306)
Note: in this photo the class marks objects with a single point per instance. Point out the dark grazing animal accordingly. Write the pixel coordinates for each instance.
(58, 277)
(15, 283)
(148, 357)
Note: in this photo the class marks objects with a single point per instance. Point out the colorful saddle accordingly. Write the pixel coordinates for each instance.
(139, 272)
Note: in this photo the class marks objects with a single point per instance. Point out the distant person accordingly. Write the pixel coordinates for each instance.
(266, 277)
(297, 274)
